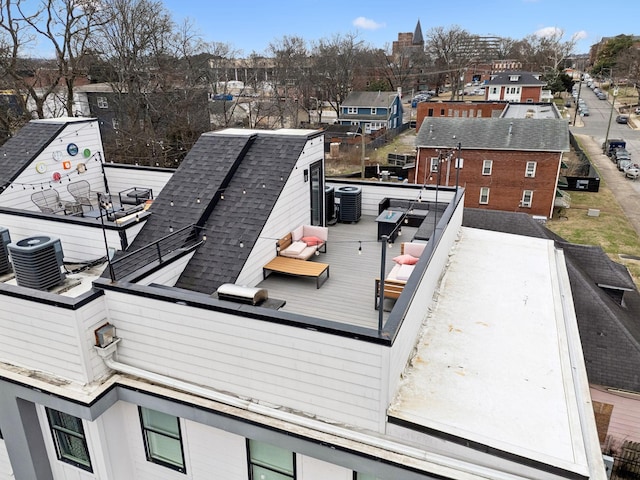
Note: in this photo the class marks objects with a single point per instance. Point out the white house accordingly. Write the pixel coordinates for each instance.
(135, 365)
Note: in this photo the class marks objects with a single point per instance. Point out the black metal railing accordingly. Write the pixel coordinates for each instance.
(156, 252)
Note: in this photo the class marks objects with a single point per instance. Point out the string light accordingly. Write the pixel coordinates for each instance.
(241, 244)
(171, 228)
(360, 247)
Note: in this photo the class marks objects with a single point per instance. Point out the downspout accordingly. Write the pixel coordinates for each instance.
(440, 460)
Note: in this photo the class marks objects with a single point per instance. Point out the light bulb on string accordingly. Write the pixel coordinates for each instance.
(360, 247)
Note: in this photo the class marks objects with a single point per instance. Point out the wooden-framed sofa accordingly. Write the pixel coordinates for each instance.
(303, 242)
(295, 248)
(397, 278)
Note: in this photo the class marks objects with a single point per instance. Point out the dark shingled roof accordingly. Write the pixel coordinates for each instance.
(524, 78)
(606, 301)
(370, 99)
(21, 149)
(250, 171)
(525, 134)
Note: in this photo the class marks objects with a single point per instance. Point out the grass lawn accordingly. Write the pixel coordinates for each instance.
(611, 230)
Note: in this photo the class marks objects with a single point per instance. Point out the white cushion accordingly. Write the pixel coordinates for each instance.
(296, 248)
(404, 272)
(297, 234)
(414, 249)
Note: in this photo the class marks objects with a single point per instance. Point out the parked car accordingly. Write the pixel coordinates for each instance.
(637, 111)
(632, 172)
(622, 119)
(623, 164)
(602, 96)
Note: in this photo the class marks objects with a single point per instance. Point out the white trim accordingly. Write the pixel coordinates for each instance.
(487, 167)
(484, 192)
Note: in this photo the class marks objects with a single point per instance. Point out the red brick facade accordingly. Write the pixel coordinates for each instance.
(506, 182)
(457, 109)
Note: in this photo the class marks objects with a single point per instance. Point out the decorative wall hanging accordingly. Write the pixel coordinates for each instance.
(57, 155)
(81, 168)
(66, 164)
(41, 167)
(86, 152)
(56, 176)
(72, 149)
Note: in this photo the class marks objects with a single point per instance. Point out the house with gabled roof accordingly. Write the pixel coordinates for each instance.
(509, 164)
(372, 111)
(515, 86)
(142, 364)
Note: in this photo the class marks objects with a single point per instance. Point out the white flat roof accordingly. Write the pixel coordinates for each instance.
(495, 367)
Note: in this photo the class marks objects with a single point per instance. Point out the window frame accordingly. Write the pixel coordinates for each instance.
(152, 456)
(374, 111)
(484, 192)
(61, 437)
(352, 110)
(251, 462)
(526, 203)
(486, 163)
(530, 172)
(102, 102)
(433, 164)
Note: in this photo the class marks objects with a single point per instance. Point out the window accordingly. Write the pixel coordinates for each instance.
(494, 90)
(531, 169)
(69, 439)
(269, 461)
(487, 166)
(115, 123)
(162, 439)
(527, 198)
(374, 111)
(484, 195)
(434, 164)
(102, 102)
(459, 162)
(352, 110)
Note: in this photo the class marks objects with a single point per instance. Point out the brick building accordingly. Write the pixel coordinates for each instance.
(458, 109)
(514, 86)
(509, 164)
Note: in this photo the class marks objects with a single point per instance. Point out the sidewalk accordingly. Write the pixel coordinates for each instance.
(622, 188)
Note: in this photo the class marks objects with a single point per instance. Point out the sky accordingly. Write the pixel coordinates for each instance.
(251, 25)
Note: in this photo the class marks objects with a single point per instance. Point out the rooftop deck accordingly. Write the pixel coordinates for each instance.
(348, 296)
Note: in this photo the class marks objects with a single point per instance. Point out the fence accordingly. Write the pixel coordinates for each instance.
(626, 464)
(184, 238)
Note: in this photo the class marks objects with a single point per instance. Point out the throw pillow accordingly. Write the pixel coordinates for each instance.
(405, 259)
(312, 241)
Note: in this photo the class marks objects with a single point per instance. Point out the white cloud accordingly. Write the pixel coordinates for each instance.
(367, 23)
(581, 35)
(548, 32)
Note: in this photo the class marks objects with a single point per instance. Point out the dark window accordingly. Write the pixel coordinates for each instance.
(270, 462)
(162, 439)
(69, 439)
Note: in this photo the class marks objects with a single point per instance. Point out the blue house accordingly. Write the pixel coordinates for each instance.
(372, 110)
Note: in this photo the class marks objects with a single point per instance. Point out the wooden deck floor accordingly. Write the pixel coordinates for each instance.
(349, 293)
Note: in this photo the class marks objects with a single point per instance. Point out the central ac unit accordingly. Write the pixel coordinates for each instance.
(5, 239)
(37, 262)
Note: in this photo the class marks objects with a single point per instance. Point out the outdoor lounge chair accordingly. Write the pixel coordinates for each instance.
(80, 190)
(48, 201)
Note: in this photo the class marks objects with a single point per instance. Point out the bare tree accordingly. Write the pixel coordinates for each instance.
(335, 63)
(450, 49)
(544, 52)
(290, 56)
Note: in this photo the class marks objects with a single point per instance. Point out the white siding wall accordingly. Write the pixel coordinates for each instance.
(313, 469)
(6, 472)
(209, 453)
(325, 375)
(49, 339)
(120, 178)
(169, 275)
(373, 194)
(625, 418)
(416, 317)
(86, 135)
(284, 218)
(79, 243)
